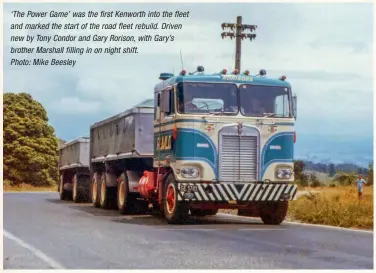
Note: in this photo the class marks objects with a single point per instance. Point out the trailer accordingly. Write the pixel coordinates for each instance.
(121, 149)
(204, 143)
(74, 171)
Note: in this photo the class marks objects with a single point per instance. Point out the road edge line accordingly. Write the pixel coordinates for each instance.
(51, 262)
(302, 224)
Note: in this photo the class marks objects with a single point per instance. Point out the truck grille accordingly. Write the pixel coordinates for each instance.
(238, 158)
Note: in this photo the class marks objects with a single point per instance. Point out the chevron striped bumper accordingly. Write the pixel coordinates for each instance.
(246, 192)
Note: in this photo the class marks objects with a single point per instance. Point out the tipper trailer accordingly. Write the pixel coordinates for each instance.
(205, 142)
(74, 170)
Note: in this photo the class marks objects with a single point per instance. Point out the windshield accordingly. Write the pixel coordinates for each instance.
(221, 98)
(264, 101)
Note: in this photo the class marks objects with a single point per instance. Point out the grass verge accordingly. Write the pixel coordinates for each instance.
(337, 206)
(26, 187)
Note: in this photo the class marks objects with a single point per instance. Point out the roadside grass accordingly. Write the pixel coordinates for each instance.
(26, 187)
(337, 206)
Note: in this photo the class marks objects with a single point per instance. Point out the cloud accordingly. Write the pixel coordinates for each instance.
(323, 49)
(74, 106)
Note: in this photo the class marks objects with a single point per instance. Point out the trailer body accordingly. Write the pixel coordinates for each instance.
(128, 134)
(74, 169)
(74, 154)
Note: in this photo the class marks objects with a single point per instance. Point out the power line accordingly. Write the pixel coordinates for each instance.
(239, 35)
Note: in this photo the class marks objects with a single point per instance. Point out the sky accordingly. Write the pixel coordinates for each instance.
(324, 50)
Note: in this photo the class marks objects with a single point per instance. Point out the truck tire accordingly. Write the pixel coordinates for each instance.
(95, 192)
(124, 200)
(175, 212)
(81, 188)
(105, 193)
(203, 212)
(64, 194)
(85, 188)
(273, 213)
(76, 195)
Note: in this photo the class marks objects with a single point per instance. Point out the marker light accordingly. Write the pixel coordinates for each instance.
(282, 78)
(165, 76)
(224, 71)
(262, 72)
(236, 71)
(246, 72)
(183, 72)
(175, 133)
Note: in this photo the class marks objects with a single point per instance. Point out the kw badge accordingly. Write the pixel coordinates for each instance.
(273, 128)
(209, 127)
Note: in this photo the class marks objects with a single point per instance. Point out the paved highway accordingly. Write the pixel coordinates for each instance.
(42, 232)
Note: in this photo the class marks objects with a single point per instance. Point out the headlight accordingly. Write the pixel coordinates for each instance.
(283, 173)
(189, 172)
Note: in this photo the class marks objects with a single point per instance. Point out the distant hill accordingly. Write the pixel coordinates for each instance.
(344, 150)
(324, 168)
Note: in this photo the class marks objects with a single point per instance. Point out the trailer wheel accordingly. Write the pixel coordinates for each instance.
(64, 194)
(75, 193)
(203, 212)
(175, 212)
(125, 200)
(80, 188)
(273, 213)
(85, 187)
(95, 191)
(105, 194)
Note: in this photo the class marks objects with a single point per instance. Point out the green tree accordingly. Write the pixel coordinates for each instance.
(298, 168)
(370, 173)
(303, 180)
(300, 177)
(30, 145)
(345, 179)
(314, 180)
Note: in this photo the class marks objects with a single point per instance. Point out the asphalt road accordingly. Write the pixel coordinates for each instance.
(42, 232)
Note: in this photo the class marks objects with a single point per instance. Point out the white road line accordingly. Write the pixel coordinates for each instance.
(332, 227)
(51, 262)
(296, 223)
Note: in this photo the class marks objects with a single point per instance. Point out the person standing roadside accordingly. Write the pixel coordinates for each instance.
(360, 185)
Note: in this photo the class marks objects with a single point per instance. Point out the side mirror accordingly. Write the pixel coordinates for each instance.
(294, 105)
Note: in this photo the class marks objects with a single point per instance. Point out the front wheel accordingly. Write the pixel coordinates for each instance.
(273, 213)
(175, 212)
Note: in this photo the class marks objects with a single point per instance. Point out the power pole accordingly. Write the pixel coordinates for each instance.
(239, 35)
